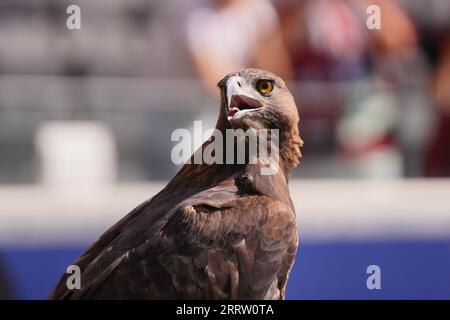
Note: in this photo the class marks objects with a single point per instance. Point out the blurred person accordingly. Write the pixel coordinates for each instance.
(228, 35)
(367, 130)
(326, 44)
(329, 41)
(438, 157)
(324, 38)
(393, 50)
(393, 61)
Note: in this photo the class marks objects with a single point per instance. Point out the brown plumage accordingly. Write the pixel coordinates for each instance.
(218, 231)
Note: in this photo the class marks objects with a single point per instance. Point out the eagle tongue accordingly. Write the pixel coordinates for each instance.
(233, 111)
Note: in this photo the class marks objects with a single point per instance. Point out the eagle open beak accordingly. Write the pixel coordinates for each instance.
(239, 102)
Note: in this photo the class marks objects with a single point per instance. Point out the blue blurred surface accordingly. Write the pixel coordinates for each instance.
(409, 270)
(325, 270)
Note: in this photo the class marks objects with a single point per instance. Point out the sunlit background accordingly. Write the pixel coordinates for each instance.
(86, 118)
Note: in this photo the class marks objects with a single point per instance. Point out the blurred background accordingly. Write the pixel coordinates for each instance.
(86, 118)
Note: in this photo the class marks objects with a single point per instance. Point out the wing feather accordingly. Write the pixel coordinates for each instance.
(218, 247)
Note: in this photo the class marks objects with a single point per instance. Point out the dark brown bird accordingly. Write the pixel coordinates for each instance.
(216, 231)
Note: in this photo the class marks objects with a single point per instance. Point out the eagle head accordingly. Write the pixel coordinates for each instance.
(253, 98)
(258, 99)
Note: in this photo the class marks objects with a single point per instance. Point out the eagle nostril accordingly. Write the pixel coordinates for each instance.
(239, 84)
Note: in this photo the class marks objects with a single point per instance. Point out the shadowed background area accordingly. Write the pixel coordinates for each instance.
(86, 118)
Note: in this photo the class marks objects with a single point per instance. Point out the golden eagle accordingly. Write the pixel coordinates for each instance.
(216, 231)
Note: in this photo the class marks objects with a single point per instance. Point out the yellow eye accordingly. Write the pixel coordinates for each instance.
(264, 86)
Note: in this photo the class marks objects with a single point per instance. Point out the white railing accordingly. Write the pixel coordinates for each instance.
(33, 215)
